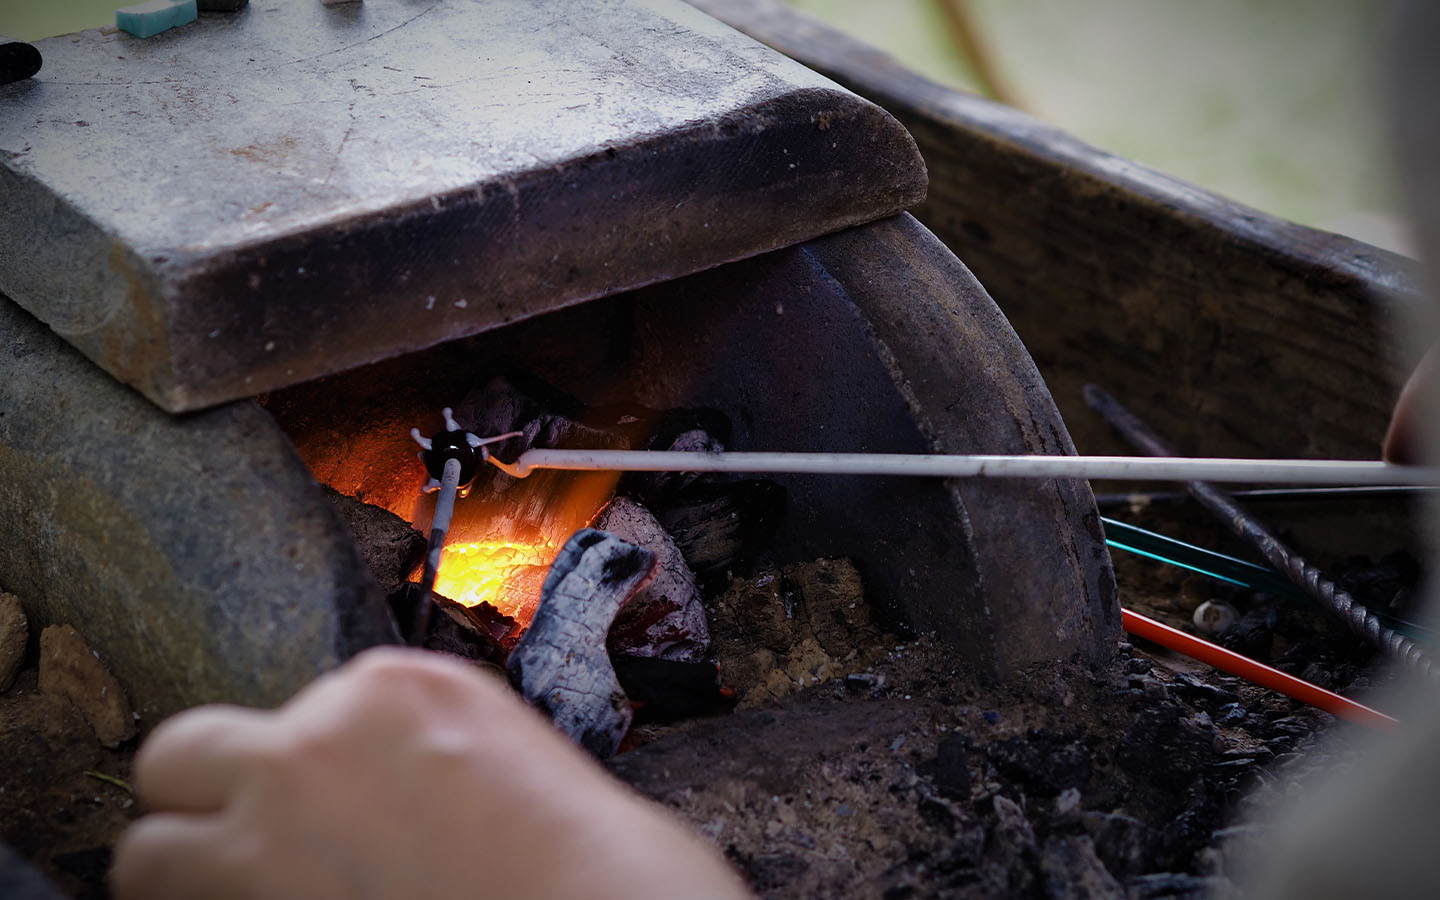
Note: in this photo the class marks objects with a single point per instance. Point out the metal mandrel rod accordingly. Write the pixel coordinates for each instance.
(1131, 468)
(439, 527)
(1357, 618)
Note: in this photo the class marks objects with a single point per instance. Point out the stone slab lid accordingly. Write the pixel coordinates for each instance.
(270, 196)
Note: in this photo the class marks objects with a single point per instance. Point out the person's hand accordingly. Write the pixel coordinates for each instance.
(400, 775)
(1405, 437)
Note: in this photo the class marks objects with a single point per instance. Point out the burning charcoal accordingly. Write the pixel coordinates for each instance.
(663, 690)
(520, 593)
(388, 544)
(720, 526)
(666, 619)
(560, 664)
(480, 633)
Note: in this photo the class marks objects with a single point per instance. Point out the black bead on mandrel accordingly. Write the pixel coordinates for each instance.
(452, 445)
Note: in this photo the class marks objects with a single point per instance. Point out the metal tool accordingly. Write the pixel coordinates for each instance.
(1355, 615)
(452, 458)
(1119, 468)
(1218, 566)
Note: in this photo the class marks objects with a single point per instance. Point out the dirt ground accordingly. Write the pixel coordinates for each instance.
(883, 769)
(918, 782)
(56, 809)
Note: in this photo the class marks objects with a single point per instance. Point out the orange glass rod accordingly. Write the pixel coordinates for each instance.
(1249, 669)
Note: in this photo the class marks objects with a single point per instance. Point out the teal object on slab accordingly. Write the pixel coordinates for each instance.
(147, 19)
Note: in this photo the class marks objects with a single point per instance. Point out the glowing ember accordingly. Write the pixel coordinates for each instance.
(493, 572)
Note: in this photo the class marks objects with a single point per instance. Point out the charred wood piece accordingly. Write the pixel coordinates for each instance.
(720, 526)
(479, 633)
(666, 619)
(391, 547)
(561, 665)
(684, 430)
(663, 690)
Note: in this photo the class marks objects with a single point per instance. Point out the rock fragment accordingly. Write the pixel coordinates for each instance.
(71, 671)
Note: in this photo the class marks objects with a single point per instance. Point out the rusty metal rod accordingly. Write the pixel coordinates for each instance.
(1245, 526)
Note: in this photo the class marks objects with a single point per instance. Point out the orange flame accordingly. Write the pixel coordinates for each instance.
(501, 573)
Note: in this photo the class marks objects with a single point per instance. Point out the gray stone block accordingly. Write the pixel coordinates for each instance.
(259, 199)
(196, 553)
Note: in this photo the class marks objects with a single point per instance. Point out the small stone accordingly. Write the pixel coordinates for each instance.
(70, 670)
(1067, 803)
(1215, 617)
(1043, 761)
(14, 634)
(389, 545)
(950, 769)
(859, 681)
(990, 716)
(1138, 665)
(1232, 714)
(1012, 828)
(1191, 686)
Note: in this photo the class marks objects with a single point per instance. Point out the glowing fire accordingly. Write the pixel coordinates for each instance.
(519, 539)
(495, 572)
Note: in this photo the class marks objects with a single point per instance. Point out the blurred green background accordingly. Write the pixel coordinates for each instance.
(1269, 102)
